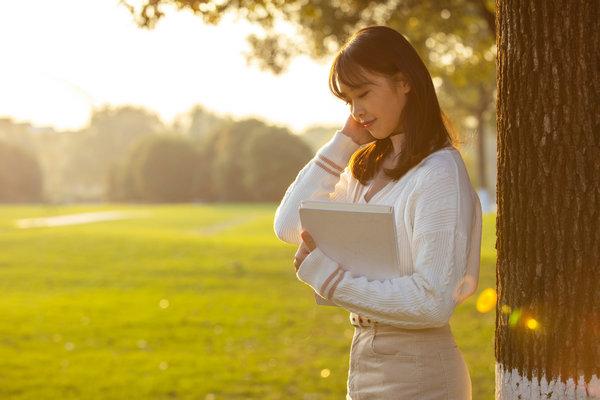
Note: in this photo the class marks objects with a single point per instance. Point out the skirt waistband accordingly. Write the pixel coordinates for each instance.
(366, 323)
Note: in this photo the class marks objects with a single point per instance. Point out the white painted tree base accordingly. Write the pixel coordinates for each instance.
(510, 386)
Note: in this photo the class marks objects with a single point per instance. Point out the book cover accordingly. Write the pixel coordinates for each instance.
(360, 237)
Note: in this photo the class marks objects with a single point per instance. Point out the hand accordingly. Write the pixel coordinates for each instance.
(356, 131)
(305, 248)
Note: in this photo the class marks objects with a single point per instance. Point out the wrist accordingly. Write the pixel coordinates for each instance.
(353, 137)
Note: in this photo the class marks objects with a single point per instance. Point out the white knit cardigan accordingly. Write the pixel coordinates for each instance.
(438, 224)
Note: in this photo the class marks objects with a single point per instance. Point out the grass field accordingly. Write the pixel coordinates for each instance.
(187, 302)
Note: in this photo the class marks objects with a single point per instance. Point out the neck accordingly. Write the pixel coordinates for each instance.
(397, 142)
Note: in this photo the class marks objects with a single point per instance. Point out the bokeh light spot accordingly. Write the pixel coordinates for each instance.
(163, 365)
(514, 318)
(325, 373)
(505, 309)
(164, 303)
(486, 300)
(532, 324)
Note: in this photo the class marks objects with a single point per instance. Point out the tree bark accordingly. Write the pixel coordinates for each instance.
(548, 243)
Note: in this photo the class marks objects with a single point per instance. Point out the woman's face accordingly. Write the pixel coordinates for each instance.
(378, 104)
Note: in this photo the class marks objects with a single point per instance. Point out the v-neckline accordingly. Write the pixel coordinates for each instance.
(378, 191)
(397, 141)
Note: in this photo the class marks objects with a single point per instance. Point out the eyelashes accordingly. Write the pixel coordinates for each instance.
(360, 96)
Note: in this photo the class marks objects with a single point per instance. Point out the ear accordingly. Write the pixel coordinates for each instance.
(402, 83)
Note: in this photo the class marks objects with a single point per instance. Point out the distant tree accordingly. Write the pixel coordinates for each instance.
(317, 136)
(20, 176)
(107, 140)
(204, 182)
(228, 168)
(160, 169)
(119, 185)
(272, 160)
(202, 123)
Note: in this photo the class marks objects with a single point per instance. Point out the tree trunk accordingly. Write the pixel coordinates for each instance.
(548, 268)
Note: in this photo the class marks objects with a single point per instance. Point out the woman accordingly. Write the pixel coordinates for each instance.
(394, 149)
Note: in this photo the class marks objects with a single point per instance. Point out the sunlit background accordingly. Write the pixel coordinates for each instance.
(62, 59)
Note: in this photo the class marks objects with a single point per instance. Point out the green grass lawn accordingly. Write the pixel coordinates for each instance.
(191, 302)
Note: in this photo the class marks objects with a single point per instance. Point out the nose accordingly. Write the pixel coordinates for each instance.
(357, 111)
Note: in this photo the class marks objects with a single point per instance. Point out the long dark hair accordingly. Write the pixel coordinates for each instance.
(382, 50)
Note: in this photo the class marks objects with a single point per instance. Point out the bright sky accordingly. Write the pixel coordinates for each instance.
(61, 58)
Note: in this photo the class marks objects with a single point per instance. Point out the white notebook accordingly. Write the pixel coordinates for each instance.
(360, 237)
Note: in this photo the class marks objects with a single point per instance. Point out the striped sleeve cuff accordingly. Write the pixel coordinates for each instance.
(321, 273)
(335, 154)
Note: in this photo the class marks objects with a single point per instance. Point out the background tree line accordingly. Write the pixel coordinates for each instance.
(128, 154)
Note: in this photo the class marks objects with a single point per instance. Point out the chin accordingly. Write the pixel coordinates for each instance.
(380, 136)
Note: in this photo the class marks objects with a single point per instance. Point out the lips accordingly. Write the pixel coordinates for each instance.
(368, 124)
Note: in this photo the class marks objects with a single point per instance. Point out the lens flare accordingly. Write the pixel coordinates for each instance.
(486, 300)
(514, 317)
(532, 324)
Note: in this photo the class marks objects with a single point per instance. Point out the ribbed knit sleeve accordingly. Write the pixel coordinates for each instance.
(325, 177)
(440, 213)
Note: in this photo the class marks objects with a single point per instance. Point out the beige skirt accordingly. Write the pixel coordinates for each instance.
(393, 363)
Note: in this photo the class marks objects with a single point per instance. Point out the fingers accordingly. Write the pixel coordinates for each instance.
(308, 240)
(305, 248)
(300, 255)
